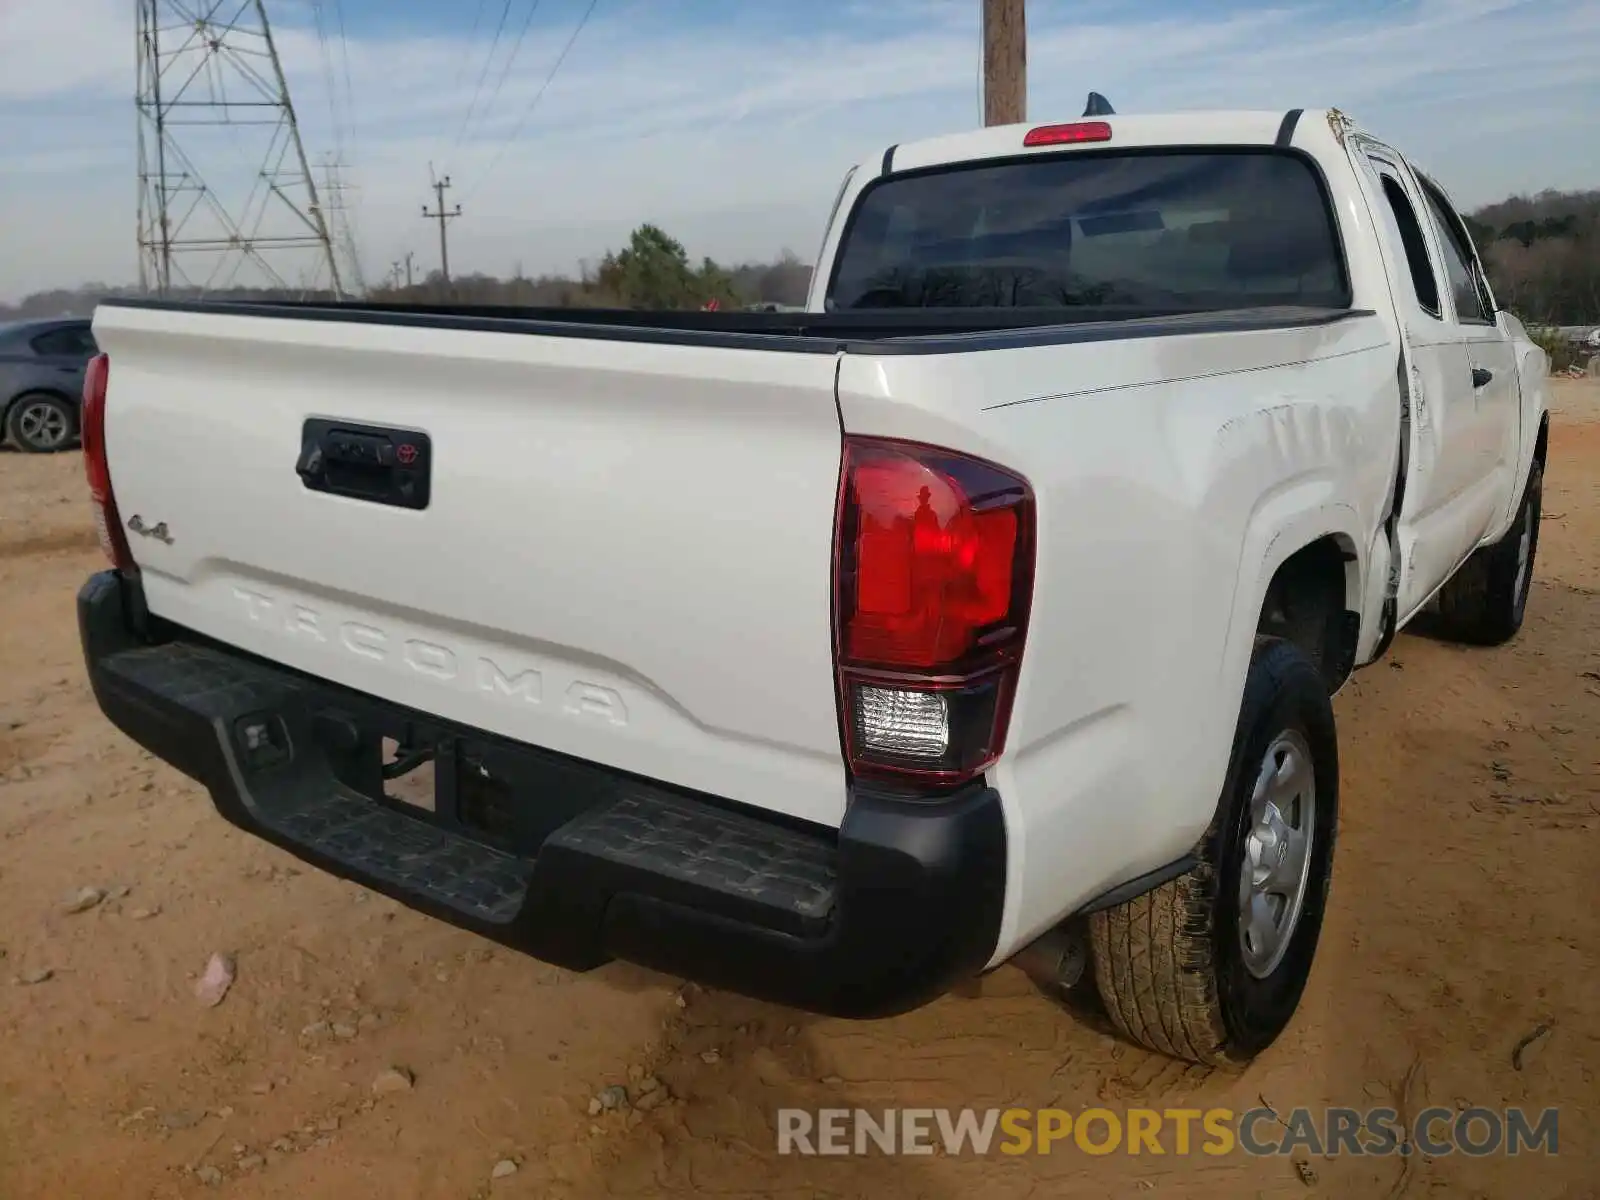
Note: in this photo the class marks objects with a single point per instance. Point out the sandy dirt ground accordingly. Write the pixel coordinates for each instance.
(1462, 918)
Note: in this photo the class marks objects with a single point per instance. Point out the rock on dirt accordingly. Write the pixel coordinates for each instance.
(651, 1099)
(503, 1168)
(395, 1079)
(212, 986)
(209, 1176)
(83, 900)
(37, 975)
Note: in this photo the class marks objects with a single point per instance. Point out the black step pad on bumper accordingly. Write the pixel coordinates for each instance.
(877, 917)
(701, 846)
(407, 855)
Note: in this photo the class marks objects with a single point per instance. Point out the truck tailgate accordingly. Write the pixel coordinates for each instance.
(625, 555)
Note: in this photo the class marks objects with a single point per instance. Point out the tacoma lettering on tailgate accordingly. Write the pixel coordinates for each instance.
(526, 684)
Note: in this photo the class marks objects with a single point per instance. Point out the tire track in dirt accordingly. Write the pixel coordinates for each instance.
(48, 543)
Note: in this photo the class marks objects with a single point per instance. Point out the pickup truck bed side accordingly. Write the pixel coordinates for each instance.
(1169, 504)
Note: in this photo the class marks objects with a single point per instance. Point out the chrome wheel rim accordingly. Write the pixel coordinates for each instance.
(1277, 853)
(43, 424)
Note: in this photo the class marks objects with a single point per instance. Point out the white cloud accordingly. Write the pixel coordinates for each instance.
(734, 135)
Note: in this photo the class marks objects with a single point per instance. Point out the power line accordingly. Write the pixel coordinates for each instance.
(466, 56)
(341, 108)
(466, 53)
(483, 75)
(537, 96)
(352, 123)
(344, 56)
(516, 48)
(319, 19)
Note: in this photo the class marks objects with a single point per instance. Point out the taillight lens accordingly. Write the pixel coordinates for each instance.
(933, 576)
(93, 433)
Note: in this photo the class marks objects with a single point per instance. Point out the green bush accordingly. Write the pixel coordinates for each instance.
(1562, 352)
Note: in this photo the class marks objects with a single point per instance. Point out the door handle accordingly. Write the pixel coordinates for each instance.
(1481, 376)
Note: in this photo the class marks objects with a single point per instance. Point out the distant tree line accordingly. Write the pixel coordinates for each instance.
(1543, 255)
(652, 271)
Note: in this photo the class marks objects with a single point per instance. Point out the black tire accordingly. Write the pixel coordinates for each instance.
(1486, 600)
(1170, 965)
(39, 423)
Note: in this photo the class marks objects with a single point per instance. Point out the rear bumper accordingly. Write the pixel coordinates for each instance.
(570, 862)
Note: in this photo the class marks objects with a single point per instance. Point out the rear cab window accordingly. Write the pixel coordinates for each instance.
(1133, 232)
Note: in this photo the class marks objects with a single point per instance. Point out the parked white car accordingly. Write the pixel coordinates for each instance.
(989, 609)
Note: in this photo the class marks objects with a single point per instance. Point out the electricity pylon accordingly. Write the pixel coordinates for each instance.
(226, 195)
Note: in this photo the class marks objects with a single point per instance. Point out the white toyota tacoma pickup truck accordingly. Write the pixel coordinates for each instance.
(989, 609)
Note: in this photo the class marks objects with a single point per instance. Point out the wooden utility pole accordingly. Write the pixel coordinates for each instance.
(442, 215)
(1005, 62)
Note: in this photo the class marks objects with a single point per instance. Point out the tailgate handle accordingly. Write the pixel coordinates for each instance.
(374, 463)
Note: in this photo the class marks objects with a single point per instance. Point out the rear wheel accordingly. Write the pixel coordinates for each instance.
(1211, 966)
(39, 423)
(1486, 600)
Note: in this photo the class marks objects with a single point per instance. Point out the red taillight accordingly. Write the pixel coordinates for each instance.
(933, 578)
(1070, 134)
(93, 433)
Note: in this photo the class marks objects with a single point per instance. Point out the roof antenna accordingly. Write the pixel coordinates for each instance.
(1098, 106)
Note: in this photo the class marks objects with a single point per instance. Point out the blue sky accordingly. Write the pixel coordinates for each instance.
(730, 122)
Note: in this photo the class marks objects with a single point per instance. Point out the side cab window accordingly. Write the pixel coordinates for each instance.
(1469, 287)
(1424, 284)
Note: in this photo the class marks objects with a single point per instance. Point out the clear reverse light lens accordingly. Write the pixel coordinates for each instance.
(914, 724)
